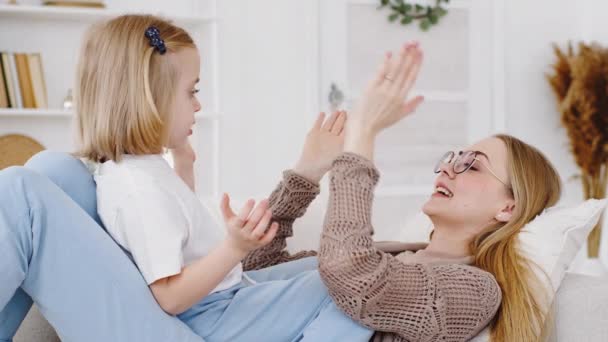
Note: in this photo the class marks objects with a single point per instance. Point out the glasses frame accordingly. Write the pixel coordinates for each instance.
(454, 161)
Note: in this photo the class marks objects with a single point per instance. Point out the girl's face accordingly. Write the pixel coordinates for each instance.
(188, 64)
(476, 197)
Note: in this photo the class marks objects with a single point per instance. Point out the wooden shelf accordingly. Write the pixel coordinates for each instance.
(26, 12)
(34, 113)
(60, 113)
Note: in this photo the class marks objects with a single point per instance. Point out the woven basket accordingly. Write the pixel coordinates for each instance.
(16, 149)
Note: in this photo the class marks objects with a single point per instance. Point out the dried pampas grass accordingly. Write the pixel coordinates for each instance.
(580, 83)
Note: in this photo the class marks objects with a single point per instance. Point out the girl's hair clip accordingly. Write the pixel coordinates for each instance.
(153, 35)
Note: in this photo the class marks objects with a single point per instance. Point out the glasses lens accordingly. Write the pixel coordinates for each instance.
(464, 161)
(445, 159)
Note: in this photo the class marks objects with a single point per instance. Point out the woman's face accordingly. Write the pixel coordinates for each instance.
(187, 62)
(475, 198)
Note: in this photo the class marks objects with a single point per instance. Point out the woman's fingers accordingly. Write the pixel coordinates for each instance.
(319, 121)
(397, 66)
(411, 105)
(261, 226)
(339, 123)
(407, 64)
(246, 210)
(227, 212)
(331, 120)
(382, 70)
(412, 75)
(270, 234)
(257, 215)
(395, 73)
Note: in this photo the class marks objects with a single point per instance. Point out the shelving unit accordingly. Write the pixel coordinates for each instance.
(56, 33)
(34, 113)
(33, 12)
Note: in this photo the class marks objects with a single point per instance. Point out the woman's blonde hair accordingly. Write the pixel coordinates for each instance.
(524, 310)
(125, 88)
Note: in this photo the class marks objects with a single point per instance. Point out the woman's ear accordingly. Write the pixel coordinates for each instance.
(505, 214)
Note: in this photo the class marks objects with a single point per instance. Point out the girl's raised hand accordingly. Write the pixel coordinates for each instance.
(248, 230)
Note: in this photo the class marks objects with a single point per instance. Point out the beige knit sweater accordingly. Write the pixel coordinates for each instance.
(404, 297)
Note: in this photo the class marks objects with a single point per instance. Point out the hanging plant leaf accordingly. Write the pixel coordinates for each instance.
(407, 20)
(425, 24)
(409, 12)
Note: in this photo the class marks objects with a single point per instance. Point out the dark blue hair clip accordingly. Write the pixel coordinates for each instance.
(153, 34)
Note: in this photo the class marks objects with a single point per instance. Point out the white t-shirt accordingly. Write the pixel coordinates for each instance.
(149, 210)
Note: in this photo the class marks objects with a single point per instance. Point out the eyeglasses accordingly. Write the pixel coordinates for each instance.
(463, 162)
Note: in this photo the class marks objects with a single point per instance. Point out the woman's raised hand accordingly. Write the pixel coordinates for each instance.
(384, 102)
(324, 142)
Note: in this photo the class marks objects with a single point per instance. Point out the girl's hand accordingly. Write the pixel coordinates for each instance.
(247, 229)
(324, 142)
(383, 102)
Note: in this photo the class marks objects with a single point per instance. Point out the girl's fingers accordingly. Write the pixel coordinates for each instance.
(319, 121)
(257, 215)
(259, 230)
(339, 124)
(331, 120)
(270, 234)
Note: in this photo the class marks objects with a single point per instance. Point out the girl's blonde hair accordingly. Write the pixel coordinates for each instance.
(125, 88)
(524, 310)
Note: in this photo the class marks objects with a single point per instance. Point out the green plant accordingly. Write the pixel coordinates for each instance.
(406, 12)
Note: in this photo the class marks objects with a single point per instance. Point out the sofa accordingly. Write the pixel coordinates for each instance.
(581, 304)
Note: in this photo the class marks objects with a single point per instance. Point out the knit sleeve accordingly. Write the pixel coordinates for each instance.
(417, 302)
(288, 201)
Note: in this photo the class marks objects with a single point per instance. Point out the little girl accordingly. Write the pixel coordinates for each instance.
(136, 96)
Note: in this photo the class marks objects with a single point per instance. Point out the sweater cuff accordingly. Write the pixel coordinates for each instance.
(297, 184)
(352, 165)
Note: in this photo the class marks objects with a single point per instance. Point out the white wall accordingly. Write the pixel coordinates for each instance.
(268, 82)
(267, 89)
(531, 27)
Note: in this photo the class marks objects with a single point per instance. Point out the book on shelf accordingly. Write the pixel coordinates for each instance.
(8, 80)
(15, 81)
(4, 101)
(24, 83)
(76, 3)
(38, 83)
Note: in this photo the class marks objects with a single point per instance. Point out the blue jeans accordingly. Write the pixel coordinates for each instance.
(54, 253)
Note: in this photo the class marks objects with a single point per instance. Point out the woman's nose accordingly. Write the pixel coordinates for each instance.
(447, 169)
